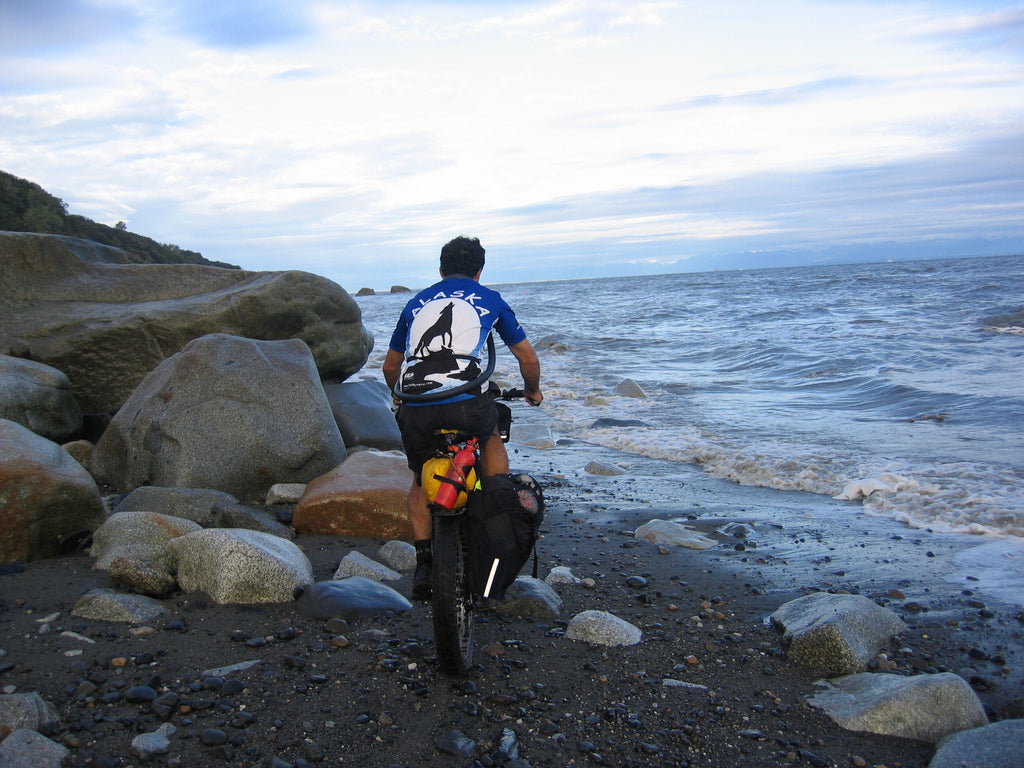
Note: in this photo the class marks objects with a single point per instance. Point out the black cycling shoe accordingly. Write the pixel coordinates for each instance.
(421, 582)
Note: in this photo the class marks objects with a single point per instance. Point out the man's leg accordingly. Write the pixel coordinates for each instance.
(422, 528)
(493, 457)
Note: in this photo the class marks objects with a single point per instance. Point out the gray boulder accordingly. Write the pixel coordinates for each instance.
(45, 495)
(240, 566)
(195, 504)
(231, 414)
(26, 710)
(992, 746)
(602, 628)
(27, 749)
(110, 605)
(363, 412)
(352, 598)
(108, 325)
(527, 596)
(38, 397)
(252, 518)
(921, 707)
(835, 635)
(139, 535)
(399, 555)
(358, 564)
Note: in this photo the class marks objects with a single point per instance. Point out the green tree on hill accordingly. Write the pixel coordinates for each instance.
(27, 207)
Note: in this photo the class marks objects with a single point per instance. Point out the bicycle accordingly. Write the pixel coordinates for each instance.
(453, 595)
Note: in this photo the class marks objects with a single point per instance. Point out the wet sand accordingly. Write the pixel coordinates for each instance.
(370, 693)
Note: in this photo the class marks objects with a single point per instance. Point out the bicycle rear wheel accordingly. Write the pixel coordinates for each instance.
(453, 609)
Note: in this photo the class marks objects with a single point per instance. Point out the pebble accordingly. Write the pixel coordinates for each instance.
(453, 742)
(213, 737)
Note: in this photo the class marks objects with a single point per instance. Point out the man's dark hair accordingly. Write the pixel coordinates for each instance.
(462, 256)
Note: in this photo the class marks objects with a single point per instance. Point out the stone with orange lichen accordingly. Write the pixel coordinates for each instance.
(363, 496)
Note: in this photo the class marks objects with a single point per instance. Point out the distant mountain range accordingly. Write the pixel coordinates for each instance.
(27, 207)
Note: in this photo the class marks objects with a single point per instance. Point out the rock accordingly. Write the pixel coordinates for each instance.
(672, 534)
(533, 435)
(366, 292)
(240, 566)
(195, 504)
(80, 451)
(110, 605)
(358, 564)
(561, 575)
(835, 634)
(454, 742)
(27, 749)
(605, 423)
(140, 575)
(106, 326)
(26, 710)
(531, 597)
(44, 495)
(629, 388)
(365, 496)
(285, 493)
(991, 746)
(602, 628)
(600, 468)
(158, 742)
(139, 536)
(362, 410)
(250, 518)
(921, 707)
(400, 289)
(355, 597)
(225, 413)
(400, 555)
(39, 398)
(669, 682)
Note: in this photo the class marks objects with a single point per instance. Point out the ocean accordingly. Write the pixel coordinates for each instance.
(897, 386)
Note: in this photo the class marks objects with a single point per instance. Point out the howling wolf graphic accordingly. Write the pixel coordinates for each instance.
(441, 329)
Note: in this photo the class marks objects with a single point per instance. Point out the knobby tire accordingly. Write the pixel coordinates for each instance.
(452, 604)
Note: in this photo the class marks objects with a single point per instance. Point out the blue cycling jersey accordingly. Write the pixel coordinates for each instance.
(441, 334)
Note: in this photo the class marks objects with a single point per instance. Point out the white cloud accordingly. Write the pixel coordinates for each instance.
(385, 126)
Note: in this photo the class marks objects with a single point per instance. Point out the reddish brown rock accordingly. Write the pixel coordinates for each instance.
(363, 496)
(45, 495)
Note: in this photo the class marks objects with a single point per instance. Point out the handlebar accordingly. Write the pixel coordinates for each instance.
(515, 394)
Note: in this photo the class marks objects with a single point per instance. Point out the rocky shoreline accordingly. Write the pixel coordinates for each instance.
(222, 576)
(710, 683)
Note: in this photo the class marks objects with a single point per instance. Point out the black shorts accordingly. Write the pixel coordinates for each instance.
(477, 417)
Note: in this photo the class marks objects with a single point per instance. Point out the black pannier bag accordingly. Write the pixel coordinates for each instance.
(502, 524)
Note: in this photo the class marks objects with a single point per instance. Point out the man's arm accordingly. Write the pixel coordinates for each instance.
(392, 368)
(529, 367)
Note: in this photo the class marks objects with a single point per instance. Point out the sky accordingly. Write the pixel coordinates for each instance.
(575, 138)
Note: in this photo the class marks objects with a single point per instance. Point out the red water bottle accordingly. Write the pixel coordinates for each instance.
(455, 481)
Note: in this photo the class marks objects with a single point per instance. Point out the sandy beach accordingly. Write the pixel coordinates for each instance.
(369, 693)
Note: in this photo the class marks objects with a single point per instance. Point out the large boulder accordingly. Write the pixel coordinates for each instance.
(997, 745)
(920, 707)
(835, 635)
(364, 496)
(138, 535)
(107, 325)
(241, 566)
(45, 495)
(38, 397)
(363, 412)
(226, 413)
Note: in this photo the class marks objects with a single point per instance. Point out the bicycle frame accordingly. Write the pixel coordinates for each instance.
(450, 594)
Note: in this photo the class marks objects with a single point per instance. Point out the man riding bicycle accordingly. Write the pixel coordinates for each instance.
(435, 352)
